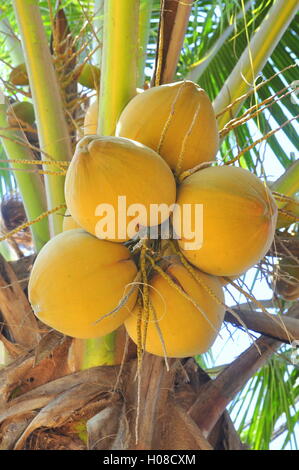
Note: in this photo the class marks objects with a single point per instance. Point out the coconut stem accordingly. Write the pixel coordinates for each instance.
(119, 61)
(30, 184)
(143, 36)
(96, 352)
(117, 87)
(288, 183)
(51, 122)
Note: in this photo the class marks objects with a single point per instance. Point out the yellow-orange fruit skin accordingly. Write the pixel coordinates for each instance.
(77, 279)
(239, 219)
(91, 119)
(184, 329)
(68, 222)
(176, 120)
(106, 168)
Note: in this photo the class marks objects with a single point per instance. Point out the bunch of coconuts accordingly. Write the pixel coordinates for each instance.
(85, 286)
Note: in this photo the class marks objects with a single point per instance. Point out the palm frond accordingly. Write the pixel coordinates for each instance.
(269, 398)
(214, 65)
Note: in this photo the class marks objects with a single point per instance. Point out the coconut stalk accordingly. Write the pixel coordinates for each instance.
(288, 183)
(86, 353)
(117, 87)
(197, 69)
(51, 123)
(13, 45)
(30, 184)
(145, 12)
(254, 57)
(119, 61)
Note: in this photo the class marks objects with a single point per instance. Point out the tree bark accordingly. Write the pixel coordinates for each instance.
(284, 328)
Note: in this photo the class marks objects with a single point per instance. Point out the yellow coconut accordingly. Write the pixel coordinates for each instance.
(68, 222)
(18, 75)
(176, 120)
(187, 329)
(91, 119)
(287, 285)
(236, 226)
(77, 279)
(112, 183)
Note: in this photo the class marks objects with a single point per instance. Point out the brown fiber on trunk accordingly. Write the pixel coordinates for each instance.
(45, 406)
(17, 318)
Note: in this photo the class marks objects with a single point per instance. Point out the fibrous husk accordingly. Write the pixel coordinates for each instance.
(79, 405)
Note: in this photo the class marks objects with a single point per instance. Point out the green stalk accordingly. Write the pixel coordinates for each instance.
(118, 86)
(145, 12)
(254, 57)
(119, 61)
(30, 184)
(51, 123)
